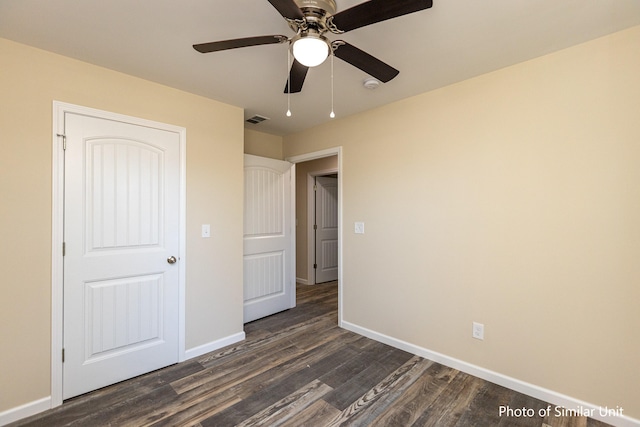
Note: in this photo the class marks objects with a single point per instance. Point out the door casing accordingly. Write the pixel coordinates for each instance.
(311, 249)
(57, 226)
(322, 276)
(334, 151)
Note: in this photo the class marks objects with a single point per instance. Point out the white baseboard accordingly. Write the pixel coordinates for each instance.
(546, 395)
(24, 411)
(302, 281)
(214, 345)
(37, 406)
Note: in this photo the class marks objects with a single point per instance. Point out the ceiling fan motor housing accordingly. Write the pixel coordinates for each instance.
(316, 13)
(329, 6)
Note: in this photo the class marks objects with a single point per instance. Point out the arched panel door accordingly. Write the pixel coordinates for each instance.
(122, 237)
(269, 276)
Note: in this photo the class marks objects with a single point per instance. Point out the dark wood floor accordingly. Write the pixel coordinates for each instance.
(297, 368)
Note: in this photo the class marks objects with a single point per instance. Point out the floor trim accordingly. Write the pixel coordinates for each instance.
(24, 411)
(214, 345)
(541, 393)
(44, 404)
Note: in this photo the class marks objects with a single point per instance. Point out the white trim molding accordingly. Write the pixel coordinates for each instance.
(311, 250)
(214, 345)
(532, 390)
(335, 151)
(24, 411)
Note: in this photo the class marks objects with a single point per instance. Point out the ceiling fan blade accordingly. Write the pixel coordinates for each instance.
(236, 43)
(287, 8)
(362, 60)
(376, 11)
(297, 74)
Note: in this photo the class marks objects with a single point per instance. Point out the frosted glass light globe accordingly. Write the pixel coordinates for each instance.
(310, 51)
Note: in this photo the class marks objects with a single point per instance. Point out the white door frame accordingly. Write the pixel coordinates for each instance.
(335, 151)
(311, 249)
(57, 227)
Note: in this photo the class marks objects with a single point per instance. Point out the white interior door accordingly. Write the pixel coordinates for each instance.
(122, 237)
(269, 261)
(326, 229)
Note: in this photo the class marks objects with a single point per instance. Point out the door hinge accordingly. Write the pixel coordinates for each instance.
(315, 265)
(64, 140)
(315, 226)
(64, 248)
(315, 187)
(63, 355)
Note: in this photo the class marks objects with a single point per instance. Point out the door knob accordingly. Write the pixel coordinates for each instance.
(171, 260)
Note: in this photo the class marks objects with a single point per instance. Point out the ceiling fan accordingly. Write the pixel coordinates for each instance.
(311, 20)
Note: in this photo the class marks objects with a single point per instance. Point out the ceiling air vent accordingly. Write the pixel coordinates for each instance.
(257, 119)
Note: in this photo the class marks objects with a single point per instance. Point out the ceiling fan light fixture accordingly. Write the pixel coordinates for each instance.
(310, 50)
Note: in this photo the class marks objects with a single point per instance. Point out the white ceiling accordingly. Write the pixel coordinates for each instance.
(453, 41)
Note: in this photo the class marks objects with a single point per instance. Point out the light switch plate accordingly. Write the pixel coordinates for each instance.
(359, 228)
(206, 230)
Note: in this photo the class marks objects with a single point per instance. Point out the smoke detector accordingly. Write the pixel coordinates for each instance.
(371, 83)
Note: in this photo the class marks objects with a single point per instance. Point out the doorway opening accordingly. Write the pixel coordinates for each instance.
(308, 167)
(322, 208)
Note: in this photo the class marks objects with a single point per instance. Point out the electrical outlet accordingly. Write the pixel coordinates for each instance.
(478, 331)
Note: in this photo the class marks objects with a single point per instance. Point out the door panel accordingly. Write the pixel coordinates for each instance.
(269, 285)
(326, 244)
(121, 296)
(265, 275)
(125, 178)
(122, 315)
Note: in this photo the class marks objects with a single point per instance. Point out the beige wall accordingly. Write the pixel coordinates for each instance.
(30, 80)
(302, 224)
(262, 144)
(511, 199)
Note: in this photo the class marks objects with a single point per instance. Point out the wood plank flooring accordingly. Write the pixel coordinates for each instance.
(297, 368)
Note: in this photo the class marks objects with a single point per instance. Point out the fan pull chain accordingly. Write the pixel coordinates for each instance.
(288, 83)
(332, 114)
